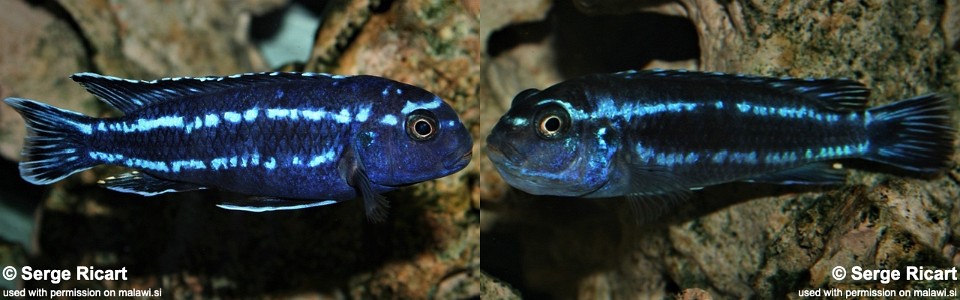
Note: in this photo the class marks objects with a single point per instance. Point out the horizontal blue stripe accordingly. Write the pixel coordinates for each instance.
(216, 164)
(232, 117)
(606, 108)
(214, 120)
(779, 158)
(649, 155)
(792, 112)
(610, 109)
(178, 165)
(142, 124)
(652, 156)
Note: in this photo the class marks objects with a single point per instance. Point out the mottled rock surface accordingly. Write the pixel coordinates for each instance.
(151, 39)
(736, 240)
(181, 243)
(39, 51)
(491, 288)
(434, 45)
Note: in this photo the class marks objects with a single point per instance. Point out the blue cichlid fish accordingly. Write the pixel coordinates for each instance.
(663, 133)
(290, 140)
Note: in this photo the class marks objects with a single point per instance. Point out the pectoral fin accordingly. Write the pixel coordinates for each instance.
(374, 204)
(654, 192)
(351, 168)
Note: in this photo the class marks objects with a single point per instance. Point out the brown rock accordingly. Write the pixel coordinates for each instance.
(429, 246)
(433, 45)
(156, 39)
(39, 53)
(342, 21)
(491, 288)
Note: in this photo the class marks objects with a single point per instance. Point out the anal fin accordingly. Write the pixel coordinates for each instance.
(264, 204)
(145, 185)
(812, 174)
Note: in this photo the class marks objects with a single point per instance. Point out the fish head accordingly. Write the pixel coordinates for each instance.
(413, 138)
(545, 145)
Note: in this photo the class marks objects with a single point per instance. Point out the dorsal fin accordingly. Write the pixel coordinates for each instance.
(837, 94)
(130, 95)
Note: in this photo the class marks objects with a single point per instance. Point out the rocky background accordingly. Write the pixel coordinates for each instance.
(732, 241)
(181, 243)
(735, 240)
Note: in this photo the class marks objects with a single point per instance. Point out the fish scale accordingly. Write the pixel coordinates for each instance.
(289, 140)
(661, 133)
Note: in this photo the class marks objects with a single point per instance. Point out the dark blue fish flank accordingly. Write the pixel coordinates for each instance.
(662, 133)
(290, 140)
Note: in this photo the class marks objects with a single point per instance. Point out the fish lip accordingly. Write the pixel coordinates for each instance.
(493, 151)
(496, 156)
(461, 162)
(508, 154)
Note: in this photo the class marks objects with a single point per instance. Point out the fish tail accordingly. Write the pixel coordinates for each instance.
(915, 134)
(55, 141)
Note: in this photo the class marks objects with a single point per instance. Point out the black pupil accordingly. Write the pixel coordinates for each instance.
(422, 127)
(551, 124)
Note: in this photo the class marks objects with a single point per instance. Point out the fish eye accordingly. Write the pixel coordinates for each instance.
(552, 122)
(421, 125)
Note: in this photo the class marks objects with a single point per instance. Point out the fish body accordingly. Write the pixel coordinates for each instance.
(663, 132)
(292, 140)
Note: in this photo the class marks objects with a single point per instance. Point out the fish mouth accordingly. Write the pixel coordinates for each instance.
(460, 162)
(504, 161)
(494, 153)
(536, 183)
(506, 154)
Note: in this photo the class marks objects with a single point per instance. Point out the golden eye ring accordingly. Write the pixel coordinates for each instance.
(552, 122)
(421, 125)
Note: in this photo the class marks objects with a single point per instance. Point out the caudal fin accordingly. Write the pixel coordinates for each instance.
(55, 141)
(915, 134)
